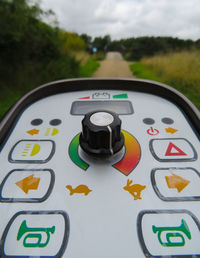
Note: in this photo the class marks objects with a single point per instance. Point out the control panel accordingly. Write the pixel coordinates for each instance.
(100, 173)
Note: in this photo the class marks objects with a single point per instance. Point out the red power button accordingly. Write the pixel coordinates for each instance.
(152, 131)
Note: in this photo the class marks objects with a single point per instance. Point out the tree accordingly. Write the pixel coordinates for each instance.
(31, 50)
(102, 44)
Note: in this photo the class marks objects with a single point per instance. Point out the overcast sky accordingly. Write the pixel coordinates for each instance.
(128, 18)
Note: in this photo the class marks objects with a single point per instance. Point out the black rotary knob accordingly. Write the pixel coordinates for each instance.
(101, 133)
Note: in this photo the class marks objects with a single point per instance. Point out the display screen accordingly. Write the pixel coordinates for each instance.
(119, 107)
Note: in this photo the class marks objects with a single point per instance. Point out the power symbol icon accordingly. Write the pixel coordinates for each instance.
(152, 131)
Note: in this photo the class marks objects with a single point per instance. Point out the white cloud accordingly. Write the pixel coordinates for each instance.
(128, 18)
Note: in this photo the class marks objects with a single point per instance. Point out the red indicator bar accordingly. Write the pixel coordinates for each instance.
(132, 155)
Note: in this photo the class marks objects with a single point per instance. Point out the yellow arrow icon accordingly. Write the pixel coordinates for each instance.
(33, 131)
(175, 181)
(28, 183)
(171, 130)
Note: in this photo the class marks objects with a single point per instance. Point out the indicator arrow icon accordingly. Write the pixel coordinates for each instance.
(171, 130)
(175, 181)
(33, 131)
(28, 183)
(120, 96)
(88, 97)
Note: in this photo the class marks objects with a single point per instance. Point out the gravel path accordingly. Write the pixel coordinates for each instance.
(113, 66)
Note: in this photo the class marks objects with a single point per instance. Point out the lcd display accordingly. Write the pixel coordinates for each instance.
(119, 107)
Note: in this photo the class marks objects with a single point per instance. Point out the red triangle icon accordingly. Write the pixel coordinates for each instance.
(170, 151)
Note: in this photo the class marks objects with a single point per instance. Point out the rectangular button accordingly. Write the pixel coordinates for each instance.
(169, 233)
(176, 184)
(36, 234)
(32, 151)
(27, 185)
(172, 149)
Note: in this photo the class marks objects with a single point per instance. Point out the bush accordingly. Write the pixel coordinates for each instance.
(32, 52)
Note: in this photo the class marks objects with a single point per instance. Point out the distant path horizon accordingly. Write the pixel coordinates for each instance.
(114, 66)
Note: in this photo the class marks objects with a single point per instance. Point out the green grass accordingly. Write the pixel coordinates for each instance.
(89, 67)
(180, 70)
(142, 71)
(99, 56)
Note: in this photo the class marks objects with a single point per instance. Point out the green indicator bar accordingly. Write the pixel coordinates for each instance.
(73, 153)
(120, 96)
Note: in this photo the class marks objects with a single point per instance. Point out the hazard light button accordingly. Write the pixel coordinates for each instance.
(172, 149)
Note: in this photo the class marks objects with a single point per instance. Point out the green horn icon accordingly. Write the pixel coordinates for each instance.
(169, 235)
(24, 229)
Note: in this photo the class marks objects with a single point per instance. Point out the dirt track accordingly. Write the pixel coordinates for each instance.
(113, 66)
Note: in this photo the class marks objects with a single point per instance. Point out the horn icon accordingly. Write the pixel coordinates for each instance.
(25, 229)
(169, 235)
(22, 230)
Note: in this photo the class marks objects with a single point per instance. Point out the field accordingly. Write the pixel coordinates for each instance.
(180, 70)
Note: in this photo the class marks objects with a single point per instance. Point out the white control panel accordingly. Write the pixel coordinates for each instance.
(58, 201)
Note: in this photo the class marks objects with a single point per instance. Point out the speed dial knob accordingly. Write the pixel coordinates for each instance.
(101, 133)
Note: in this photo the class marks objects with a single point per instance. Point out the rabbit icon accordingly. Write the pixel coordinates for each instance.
(135, 189)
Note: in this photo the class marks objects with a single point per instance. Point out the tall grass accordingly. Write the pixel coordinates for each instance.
(89, 67)
(88, 64)
(180, 70)
(81, 56)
